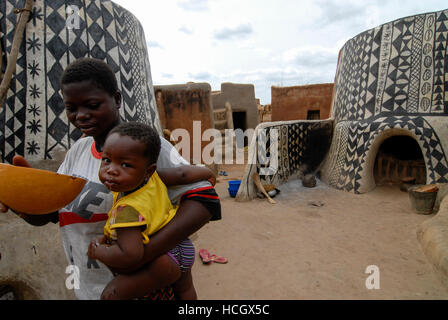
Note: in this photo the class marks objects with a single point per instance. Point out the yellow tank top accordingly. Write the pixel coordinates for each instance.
(148, 207)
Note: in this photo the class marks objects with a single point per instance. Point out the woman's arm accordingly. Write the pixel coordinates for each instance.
(186, 175)
(124, 253)
(34, 219)
(41, 219)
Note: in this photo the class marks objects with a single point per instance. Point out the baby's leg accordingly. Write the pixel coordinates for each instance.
(184, 255)
(184, 287)
(158, 274)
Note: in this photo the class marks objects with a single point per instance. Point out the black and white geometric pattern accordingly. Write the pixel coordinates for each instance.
(391, 77)
(397, 68)
(32, 120)
(299, 142)
(357, 138)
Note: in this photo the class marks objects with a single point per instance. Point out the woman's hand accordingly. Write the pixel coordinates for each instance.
(212, 180)
(20, 162)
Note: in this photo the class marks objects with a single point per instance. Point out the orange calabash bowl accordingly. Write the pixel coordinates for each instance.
(36, 191)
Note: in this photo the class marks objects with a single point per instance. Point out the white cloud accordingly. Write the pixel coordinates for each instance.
(193, 5)
(200, 76)
(264, 42)
(311, 56)
(167, 75)
(154, 44)
(185, 29)
(239, 31)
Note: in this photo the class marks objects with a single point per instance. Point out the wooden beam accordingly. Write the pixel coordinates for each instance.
(17, 40)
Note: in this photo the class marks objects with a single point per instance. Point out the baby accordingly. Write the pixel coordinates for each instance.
(141, 207)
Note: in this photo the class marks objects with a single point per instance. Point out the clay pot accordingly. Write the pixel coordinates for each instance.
(423, 198)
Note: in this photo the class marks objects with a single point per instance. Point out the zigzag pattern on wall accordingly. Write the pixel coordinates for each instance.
(296, 144)
(361, 136)
(33, 122)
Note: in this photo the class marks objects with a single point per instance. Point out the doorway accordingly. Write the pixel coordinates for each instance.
(313, 115)
(239, 122)
(399, 159)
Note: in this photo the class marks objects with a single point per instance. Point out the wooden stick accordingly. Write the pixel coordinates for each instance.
(229, 116)
(1, 75)
(257, 181)
(18, 36)
(1, 63)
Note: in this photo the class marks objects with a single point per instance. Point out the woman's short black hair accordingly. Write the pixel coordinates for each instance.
(97, 71)
(143, 133)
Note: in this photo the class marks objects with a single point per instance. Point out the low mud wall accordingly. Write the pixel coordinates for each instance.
(32, 260)
(280, 149)
(433, 236)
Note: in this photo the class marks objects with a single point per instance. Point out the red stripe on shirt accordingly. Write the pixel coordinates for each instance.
(67, 218)
(197, 190)
(203, 196)
(95, 153)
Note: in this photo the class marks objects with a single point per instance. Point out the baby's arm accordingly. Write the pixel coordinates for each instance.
(124, 253)
(185, 175)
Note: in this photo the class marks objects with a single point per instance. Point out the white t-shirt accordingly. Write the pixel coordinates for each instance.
(83, 219)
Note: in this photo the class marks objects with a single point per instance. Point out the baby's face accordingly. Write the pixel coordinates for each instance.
(123, 165)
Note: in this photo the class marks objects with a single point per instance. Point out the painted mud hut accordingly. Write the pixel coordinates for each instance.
(33, 121)
(32, 118)
(391, 93)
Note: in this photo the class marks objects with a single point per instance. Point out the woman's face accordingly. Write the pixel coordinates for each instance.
(91, 109)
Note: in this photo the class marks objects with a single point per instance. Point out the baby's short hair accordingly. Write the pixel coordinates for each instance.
(143, 133)
(90, 69)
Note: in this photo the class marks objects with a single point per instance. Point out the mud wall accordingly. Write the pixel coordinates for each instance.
(294, 103)
(179, 105)
(32, 260)
(242, 99)
(433, 235)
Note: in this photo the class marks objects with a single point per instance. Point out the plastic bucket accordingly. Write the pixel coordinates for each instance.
(234, 185)
(422, 202)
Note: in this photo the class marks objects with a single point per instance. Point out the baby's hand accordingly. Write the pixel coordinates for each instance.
(95, 243)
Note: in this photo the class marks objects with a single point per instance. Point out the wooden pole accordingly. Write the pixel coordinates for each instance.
(229, 116)
(1, 63)
(18, 36)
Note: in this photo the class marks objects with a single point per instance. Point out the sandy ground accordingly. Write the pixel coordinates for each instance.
(295, 250)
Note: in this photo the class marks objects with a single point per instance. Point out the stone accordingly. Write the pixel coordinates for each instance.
(309, 180)
(316, 203)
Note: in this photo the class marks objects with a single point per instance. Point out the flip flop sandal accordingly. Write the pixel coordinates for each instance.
(218, 259)
(205, 256)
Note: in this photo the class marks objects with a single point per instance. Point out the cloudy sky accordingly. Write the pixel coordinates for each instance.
(263, 42)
